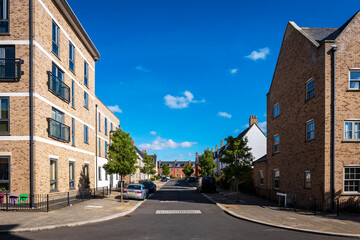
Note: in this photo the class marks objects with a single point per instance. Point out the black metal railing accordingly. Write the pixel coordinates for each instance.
(10, 69)
(58, 87)
(58, 130)
(48, 202)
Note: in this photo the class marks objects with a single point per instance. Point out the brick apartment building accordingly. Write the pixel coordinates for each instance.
(176, 167)
(54, 130)
(313, 144)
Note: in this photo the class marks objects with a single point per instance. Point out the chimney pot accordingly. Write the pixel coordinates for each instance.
(216, 147)
(222, 143)
(252, 120)
(133, 143)
(197, 154)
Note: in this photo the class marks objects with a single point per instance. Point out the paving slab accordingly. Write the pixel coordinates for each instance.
(89, 211)
(259, 210)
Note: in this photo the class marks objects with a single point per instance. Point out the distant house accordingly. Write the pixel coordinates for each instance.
(175, 167)
(256, 141)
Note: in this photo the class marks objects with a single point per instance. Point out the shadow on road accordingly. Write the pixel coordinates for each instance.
(6, 236)
(179, 191)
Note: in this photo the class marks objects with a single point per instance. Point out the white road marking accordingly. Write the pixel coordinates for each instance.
(93, 206)
(178, 212)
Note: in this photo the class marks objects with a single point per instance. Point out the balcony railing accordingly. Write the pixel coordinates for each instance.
(58, 130)
(58, 87)
(10, 69)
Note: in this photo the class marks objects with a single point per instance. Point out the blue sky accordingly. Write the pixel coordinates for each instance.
(188, 73)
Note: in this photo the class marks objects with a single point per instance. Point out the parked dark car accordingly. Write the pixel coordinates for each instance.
(164, 179)
(191, 179)
(150, 186)
(206, 184)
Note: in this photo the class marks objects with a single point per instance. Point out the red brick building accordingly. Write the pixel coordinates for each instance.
(175, 167)
(313, 118)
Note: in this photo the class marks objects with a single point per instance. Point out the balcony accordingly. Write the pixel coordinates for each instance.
(58, 130)
(10, 69)
(58, 87)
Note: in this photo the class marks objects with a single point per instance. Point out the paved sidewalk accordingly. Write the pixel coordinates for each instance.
(90, 211)
(262, 211)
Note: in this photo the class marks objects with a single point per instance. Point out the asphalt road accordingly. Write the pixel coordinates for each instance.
(144, 223)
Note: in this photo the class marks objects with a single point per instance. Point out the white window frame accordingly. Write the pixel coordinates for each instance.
(353, 122)
(72, 56)
(307, 130)
(277, 108)
(86, 100)
(344, 179)
(55, 41)
(353, 70)
(276, 188)
(307, 90)
(261, 176)
(305, 186)
(275, 136)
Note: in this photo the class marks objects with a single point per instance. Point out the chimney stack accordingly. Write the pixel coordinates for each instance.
(222, 143)
(197, 154)
(252, 120)
(144, 151)
(216, 147)
(133, 143)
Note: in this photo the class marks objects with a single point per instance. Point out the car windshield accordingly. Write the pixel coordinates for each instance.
(208, 180)
(134, 187)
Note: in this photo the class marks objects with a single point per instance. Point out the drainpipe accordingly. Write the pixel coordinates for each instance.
(96, 147)
(332, 175)
(31, 56)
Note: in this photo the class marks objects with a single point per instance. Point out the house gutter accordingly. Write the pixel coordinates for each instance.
(31, 102)
(96, 147)
(332, 173)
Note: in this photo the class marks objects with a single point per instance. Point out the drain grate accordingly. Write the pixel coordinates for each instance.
(178, 212)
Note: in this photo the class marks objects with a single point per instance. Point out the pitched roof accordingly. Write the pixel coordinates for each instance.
(320, 35)
(139, 152)
(262, 159)
(243, 133)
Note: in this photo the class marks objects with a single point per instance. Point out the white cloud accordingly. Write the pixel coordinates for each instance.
(115, 109)
(262, 125)
(259, 54)
(182, 155)
(153, 133)
(237, 130)
(141, 69)
(233, 71)
(161, 144)
(180, 102)
(224, 114)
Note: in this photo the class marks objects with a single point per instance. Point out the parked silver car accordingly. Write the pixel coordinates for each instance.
(136, 191)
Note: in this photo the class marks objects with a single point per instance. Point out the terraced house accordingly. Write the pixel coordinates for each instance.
(54, 130)
(313, 144)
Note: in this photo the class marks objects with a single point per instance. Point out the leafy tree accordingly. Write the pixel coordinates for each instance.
(149, 166)
(165, 169)
(206, 163)
(239, 159)
(188, 170)
(122, 155)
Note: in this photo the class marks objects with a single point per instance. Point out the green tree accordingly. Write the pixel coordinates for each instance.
(188, 170)
(238, 157)
(122, 155)
(165, 169)
(149, 166)
(206, 163)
